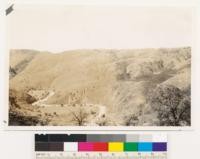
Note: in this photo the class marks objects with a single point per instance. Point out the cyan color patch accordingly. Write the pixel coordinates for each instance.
(145, 146)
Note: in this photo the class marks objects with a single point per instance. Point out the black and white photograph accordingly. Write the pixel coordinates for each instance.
(99, 65)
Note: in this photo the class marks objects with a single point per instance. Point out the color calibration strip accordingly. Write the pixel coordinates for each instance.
(101, 144)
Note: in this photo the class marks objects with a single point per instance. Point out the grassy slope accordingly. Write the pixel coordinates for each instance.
(92, 74)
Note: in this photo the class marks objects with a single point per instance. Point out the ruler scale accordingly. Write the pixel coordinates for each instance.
(101, 146)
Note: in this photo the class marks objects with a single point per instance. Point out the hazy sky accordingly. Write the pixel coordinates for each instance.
(59, 28)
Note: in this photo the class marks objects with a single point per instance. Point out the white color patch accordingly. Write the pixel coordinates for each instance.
(159, 138)
(71, 146)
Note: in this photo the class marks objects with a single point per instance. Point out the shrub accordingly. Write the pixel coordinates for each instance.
(131, 120)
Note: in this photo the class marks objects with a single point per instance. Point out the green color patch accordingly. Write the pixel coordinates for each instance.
(130, 146)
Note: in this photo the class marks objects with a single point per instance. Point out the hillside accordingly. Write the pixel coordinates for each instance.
(112, 83)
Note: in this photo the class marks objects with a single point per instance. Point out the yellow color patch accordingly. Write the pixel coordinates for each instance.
(115, 146)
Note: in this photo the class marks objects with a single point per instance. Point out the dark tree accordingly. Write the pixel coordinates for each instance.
(172, 106)
(79, 116)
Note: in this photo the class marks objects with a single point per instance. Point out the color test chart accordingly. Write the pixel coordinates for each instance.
(101, 146)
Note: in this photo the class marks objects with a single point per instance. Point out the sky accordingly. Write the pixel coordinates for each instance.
(59, 28)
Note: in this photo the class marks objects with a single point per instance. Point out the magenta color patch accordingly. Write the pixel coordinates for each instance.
(85, 146)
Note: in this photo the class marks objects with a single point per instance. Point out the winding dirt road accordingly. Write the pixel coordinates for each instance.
(41, 102)
(92, 121)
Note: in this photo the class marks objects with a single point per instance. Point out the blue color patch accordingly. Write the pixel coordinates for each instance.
(145, 146)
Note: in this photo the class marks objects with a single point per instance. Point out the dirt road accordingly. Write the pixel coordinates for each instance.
(41, 102)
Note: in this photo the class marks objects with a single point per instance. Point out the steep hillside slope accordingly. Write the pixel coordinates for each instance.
(118, 80)
(19, 59)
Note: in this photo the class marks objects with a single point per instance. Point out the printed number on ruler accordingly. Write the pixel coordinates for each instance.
(100, 155)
